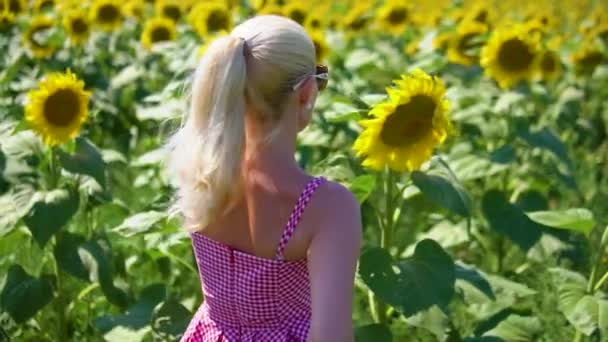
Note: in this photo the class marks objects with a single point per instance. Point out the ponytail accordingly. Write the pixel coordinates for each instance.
(205, 153)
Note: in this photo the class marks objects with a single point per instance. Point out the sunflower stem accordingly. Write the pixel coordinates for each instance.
(54, 173)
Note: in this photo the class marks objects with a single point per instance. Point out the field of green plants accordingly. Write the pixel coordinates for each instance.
(473, 133)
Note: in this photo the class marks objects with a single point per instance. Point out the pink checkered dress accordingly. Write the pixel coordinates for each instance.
(250, 298)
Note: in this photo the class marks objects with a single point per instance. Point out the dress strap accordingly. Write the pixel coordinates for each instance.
(296, 214)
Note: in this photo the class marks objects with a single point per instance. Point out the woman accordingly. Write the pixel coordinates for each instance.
(276, 248)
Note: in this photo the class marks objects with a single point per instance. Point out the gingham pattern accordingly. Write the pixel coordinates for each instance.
(250, 298)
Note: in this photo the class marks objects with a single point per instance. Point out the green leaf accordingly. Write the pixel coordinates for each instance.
(170, 319)
(139, 223)
(413, 284)
(362, 187)
(582, 310)
(603, 317)
(23, 295)
(49, 213)
(66, 254)
(577, 219)
(509, 220)
(473, 277)
(137, 315)
(546, 139)
(373, 333)
(516, 328)
(443, 192)
(98, 265)
(86, 160)
(433, 319)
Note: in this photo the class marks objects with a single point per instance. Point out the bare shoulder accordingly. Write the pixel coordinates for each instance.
(337, 206)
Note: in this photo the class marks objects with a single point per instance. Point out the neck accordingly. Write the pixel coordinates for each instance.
(275, 157)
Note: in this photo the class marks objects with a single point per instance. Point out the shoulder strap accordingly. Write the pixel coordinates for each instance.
(296, 213)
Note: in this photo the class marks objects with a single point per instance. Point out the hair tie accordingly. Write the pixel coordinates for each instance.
(245, 47)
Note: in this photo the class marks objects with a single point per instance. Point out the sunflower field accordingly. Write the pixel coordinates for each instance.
(474, 134)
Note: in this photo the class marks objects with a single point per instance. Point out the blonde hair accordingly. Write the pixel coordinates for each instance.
(251, 70)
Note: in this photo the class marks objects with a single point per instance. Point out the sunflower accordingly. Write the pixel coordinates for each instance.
(77, 25)
(321, 47)
(107, 14)
(314, 22)
(134, 9)
(37, 34)
(357, 19)
(464, 46)
(587, 58)
(510, 55)
(169, 8)
(211, 18)
(7, 18)
(44, 5)
(296, 12)
(159, 29)
(481, 13)
(393, 16)
(441, 40)
(404, 130)
(549, 65)
(57, 109)
(14, 6)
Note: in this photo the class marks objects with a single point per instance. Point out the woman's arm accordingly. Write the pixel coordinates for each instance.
(332, 263)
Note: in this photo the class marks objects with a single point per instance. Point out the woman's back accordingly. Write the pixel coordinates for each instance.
(250, 297)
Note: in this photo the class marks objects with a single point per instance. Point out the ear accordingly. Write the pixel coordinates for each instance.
(307, 92)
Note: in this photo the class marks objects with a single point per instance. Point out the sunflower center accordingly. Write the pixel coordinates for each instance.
(108, 13)
(482, 16)
(397, 15)
(61, 108)
(217, 21)
(410, 122)
(13, 6)
(548, 63)
(160, 34)
(591, 60)
(514, 55)
(315, 23)
(79, 26)
(298, 16)
(357, 24)
(172, 11)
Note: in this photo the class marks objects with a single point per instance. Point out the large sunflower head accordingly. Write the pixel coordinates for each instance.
(510, 55)
(296, 11)
(403, 131)
(394, 16)
(169, 8)
(37, 36)
(159, 29)
(464, 46)
(210, 19)
(13, 6)
(107, 14)
(587, 58)
(76, 23)
(57, 109)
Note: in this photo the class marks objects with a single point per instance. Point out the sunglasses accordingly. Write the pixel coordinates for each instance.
(321, 75)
